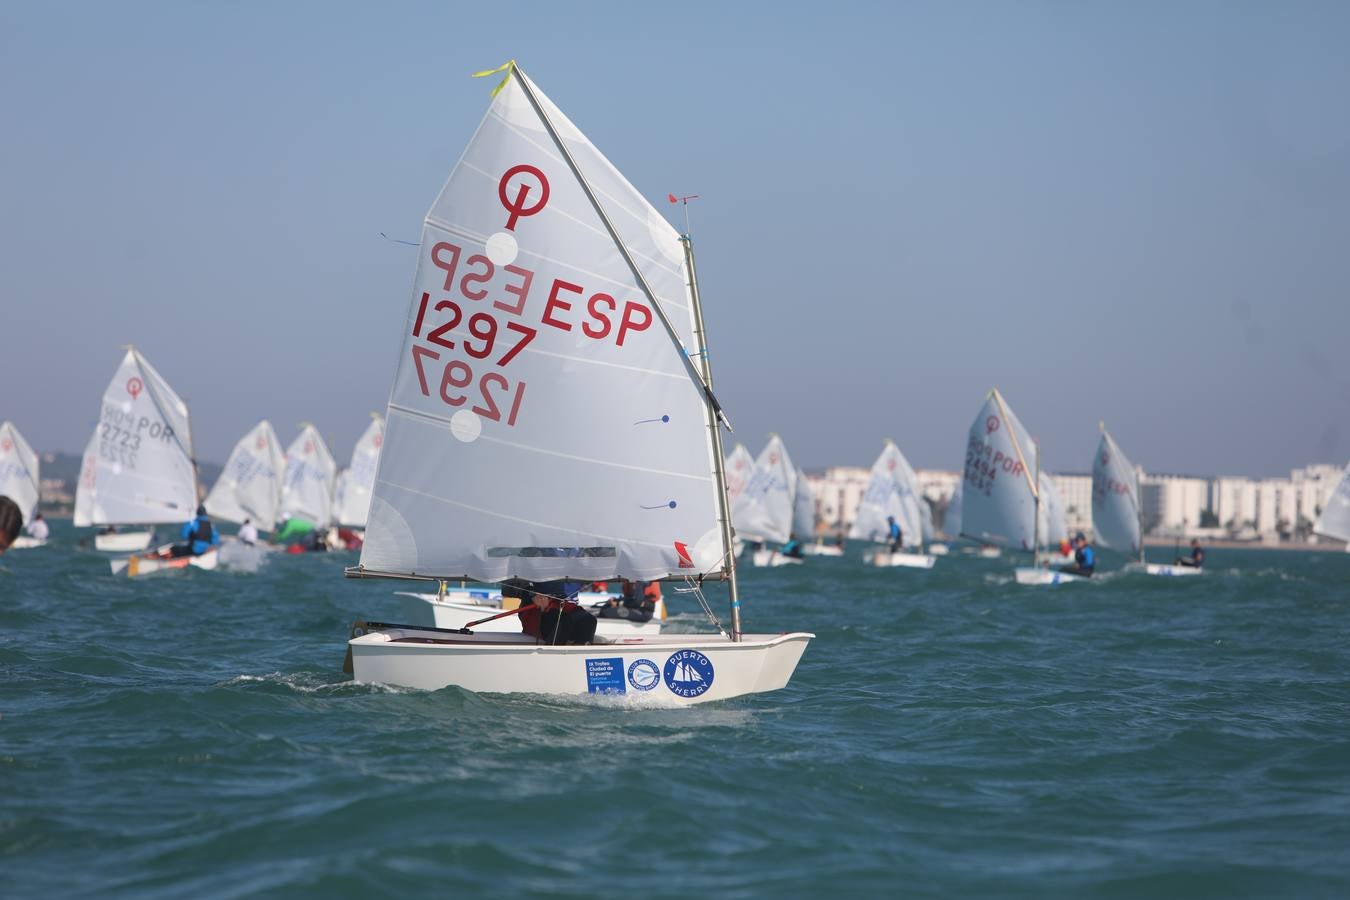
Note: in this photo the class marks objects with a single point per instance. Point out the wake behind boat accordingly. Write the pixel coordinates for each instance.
(512, 449)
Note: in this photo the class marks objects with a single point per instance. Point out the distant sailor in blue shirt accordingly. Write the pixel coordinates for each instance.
(199, 536)
(1085, 558)
(894, 534)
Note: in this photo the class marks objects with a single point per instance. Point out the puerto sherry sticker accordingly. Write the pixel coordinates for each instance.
(643, 675)
(688, 673)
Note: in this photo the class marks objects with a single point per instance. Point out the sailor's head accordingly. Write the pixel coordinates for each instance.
(201, 510)
(11, 522)
(1080, 538)
(890, 520)
(247, 520)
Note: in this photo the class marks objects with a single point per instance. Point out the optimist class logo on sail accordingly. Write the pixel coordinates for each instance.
(476, 313)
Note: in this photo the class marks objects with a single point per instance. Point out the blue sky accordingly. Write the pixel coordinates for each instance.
(1131, 212)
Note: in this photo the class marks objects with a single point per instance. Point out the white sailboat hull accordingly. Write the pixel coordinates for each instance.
(1171, 571)
(987, 552)
(771, 558)
(938, 549)
(822, 550)
(135, 566)
(431, 610)
(24, 542)
(674, 670)
(885, 559)
(1044, 576)
(124, 541)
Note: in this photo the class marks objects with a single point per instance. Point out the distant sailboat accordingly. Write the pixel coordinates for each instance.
(307, 488)
(739, 465)
(763, 512)
(571, 432)
(138, 467)
(1334, 522)
(1117, 512)
(19, 480)
(351, 500)
(249, 487)
(804, 521)
(892, 492)
(1002, 491)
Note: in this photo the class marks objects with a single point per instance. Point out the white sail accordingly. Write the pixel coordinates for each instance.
(18, 471)
(999, 498)
(804, 509)
(307, 489)
(1053, 527)
(544, 420)
(352, 497)
(141, 470)
(763, 511)
(951, 521)
(926, 529)
(86, 488)
(249, 487)
(891, 492)
(1334, 522)
(1115, 498)
(739, 465)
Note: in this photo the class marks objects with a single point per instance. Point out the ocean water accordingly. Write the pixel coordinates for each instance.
(948, 733)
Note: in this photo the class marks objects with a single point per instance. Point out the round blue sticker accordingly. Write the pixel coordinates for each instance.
(643, 675)
(688, 673)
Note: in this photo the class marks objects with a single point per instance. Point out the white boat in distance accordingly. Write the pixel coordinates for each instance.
(892, 492)
(516, 409)
(1001, 497)
(138, 467)
(20, 478)
(766, 509)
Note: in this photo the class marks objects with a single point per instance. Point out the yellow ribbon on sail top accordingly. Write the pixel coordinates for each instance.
(508, 67)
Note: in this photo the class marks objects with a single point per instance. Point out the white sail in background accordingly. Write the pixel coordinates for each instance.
(951, 521)
(307, 488)
(926, 529)
(141, 470)
(544, 422)
(1053, 527)
(1334, 522)
(352, 496)
(763, 511)
(998, 503)
(1115, 498)
(86, 488)
(19, 469)
(804, 509)
(739, 465)
(249, 487)
(891, 491)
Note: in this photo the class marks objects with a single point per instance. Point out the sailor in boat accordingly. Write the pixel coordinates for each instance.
(1197, 558)
(637, 604)
(248, 532)
(198, 536)
(547, 616)
(895, 534)
(792, 547)
(108, 529)
(37, 529)
(1085, 558)
(11, 522)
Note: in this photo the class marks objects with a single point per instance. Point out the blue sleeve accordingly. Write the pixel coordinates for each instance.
(186, 531)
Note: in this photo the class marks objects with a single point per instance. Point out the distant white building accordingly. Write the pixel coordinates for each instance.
(1174, 504)
(1076, 493)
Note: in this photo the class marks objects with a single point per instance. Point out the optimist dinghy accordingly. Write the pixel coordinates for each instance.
(161, 561)
(138, 467)
(892, 492)
(19, 480)
(1002, 493)
(765, 509)
(552, 417)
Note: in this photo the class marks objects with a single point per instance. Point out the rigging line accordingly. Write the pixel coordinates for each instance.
(398, 241)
